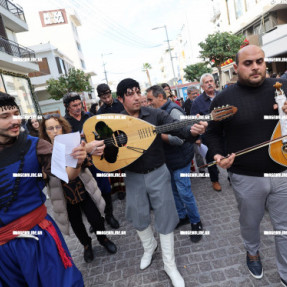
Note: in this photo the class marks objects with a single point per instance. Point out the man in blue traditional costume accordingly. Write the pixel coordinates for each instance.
(32, 249)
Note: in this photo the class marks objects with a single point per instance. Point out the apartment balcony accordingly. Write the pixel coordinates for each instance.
(16, 57)
(275, 42)
(13, 16)
(15, 49)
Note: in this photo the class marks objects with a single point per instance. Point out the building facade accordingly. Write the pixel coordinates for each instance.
(58, 27)
(262, 22)
(53, 64)
(16, 61)
(54, 36)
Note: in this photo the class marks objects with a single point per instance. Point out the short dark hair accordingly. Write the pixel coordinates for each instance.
(102, 88)
(7, 102)
(70, 97)
(126, 84)
(156, 90)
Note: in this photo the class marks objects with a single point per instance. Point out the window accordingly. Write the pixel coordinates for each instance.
(19, 88)
(61, 66)
(239, 8)
(263, 26)
(2, 28)
(68, 66)
(83, 64)
(10, 35)
(79, 46)
(2, 88)
(43, 67)
(75, 28)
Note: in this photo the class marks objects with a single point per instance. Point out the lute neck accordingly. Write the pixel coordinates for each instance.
(177, 125)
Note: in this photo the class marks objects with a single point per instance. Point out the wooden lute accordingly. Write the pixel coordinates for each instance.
(278, 150)
(127, 138)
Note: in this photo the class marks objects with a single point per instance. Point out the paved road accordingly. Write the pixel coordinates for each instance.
(218, 260)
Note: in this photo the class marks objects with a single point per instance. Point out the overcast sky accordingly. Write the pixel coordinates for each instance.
(124, 28)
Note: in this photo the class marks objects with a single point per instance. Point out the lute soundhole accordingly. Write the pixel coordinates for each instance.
(113, 140)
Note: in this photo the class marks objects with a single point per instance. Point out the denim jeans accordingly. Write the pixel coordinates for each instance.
(183, 196)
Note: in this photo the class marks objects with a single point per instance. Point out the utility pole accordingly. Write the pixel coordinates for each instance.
(104, 65)
(167, 39)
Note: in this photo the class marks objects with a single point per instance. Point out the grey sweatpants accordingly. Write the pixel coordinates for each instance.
(252, 193)
(144, 191)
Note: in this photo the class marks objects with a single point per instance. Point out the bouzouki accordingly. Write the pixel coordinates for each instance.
(278, 142)
(278, 150)
(127, 138)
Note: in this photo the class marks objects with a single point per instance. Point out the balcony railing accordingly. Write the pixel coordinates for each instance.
(14, 49)
(17, 10)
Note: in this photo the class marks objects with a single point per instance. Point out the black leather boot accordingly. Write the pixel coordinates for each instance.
(109, 245)
(88, 253)
(110, 219)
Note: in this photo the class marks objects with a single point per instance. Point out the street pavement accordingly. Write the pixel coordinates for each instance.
(218, 260)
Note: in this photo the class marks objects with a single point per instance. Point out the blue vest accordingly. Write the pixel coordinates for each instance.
(177, 156)
(20, 195)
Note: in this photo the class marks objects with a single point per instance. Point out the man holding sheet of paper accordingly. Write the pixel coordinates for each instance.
(33, 251)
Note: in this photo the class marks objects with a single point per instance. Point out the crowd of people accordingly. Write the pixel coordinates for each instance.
(153, 182)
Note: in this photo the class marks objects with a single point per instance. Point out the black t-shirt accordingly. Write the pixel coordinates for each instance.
(115, 108)
(77, 126)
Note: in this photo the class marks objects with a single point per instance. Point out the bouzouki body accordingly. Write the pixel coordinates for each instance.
(277, 150)
(130, 138)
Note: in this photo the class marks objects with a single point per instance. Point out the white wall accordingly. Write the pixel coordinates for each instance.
(61, 36)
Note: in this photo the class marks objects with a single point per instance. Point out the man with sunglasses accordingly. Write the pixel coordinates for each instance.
(77, 117)
(32, 249)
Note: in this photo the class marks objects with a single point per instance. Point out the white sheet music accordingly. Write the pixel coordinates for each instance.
(58, 166)
(70, 141)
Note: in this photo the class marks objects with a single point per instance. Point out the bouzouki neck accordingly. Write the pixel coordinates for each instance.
(217, 114)
(164, 129)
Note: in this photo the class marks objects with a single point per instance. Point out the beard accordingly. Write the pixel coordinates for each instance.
(250, 82)
(6, 133)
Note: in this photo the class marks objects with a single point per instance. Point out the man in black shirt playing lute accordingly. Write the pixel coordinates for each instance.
(253, 95)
